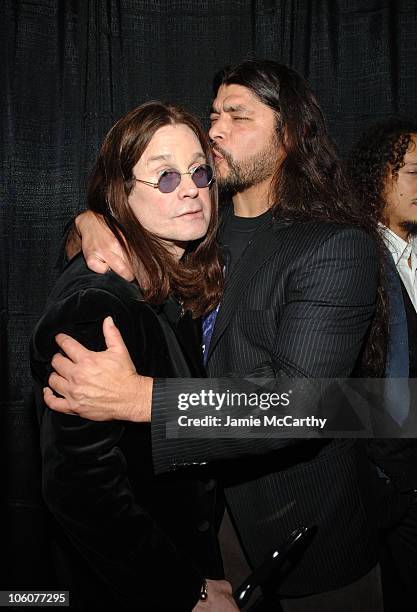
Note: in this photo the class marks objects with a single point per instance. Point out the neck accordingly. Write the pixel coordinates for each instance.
(253, 201)
(399, 231)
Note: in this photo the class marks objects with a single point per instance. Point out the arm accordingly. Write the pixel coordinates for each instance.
(101, 249)
(330, 303)
(85, 481)
(331, 299)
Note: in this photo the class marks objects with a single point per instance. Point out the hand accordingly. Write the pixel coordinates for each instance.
(220, 598)
(100, 386)
(100, 247)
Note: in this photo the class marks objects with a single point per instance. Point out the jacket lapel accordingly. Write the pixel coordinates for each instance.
(262, 246)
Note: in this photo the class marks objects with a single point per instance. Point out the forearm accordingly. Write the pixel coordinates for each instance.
(171, 451)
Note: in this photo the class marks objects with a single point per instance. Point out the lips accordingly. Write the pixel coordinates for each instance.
(217, 156)
(192, 213)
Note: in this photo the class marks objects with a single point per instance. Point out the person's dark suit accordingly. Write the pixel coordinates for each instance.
(123, 539)
(299, 301)
(396, 459)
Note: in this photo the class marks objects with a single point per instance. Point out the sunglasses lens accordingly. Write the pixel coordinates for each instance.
(169, 181)
(202, 176)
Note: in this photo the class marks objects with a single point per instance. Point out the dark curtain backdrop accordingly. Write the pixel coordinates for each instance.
(69, 69)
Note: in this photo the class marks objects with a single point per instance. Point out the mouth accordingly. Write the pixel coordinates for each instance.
(217, 156)
(192, 214)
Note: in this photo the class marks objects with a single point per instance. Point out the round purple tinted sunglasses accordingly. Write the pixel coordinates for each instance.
(202, 176)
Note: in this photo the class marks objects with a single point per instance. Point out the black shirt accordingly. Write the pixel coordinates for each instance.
(237, 233)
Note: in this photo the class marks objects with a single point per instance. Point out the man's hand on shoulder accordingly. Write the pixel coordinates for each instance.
(100, 247)
(219, 598)
(101, 386)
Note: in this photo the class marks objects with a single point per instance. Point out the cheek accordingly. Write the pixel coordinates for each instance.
(392, 196)
(408, 185)
(246, 144)
(151, 212)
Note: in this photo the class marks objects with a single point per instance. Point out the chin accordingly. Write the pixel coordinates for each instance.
(194, 233)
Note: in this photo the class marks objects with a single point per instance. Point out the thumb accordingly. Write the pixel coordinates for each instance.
(113, 337)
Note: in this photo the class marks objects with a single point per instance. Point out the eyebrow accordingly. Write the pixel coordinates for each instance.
(232, 108)
(156, 158)
(159, 158)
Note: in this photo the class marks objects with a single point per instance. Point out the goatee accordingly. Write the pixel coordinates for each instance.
(410, 227)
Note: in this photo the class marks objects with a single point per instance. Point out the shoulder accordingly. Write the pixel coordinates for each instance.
(77, 277)
(83, 295)
(311, 236)
(78, 304)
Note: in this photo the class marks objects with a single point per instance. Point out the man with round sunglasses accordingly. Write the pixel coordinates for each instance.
(301, 267)
(118, 532)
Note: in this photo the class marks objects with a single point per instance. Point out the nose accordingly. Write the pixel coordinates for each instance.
(187, 187)
(218, 129)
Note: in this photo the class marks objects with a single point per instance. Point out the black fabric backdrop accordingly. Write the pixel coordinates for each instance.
(69, 69)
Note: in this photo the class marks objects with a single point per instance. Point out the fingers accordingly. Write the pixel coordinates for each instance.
(59, 404)
(102, 262)
(96, 263)
(113, 337)
(72, 348)
(62, 365)
(58, 384)
(100, 248)
(120, 265)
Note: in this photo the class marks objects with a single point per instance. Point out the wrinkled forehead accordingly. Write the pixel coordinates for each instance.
(173, 143)
(236, 97)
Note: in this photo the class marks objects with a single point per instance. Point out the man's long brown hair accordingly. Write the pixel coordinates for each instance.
(197, 278)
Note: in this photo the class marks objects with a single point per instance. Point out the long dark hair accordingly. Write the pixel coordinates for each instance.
(197, 278)
(310, 182)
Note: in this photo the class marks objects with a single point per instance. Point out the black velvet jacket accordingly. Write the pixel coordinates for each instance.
(124, 539)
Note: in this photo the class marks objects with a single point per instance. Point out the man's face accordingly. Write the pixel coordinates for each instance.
(183, 214)
(245, 142)
(401, 195)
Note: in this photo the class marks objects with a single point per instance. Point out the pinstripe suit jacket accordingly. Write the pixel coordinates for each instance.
(299, 302)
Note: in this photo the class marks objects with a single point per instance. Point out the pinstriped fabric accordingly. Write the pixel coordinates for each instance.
(302, 304)
(308, 306)
(326, 492)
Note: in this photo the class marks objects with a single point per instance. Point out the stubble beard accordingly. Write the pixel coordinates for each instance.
(250, 171)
